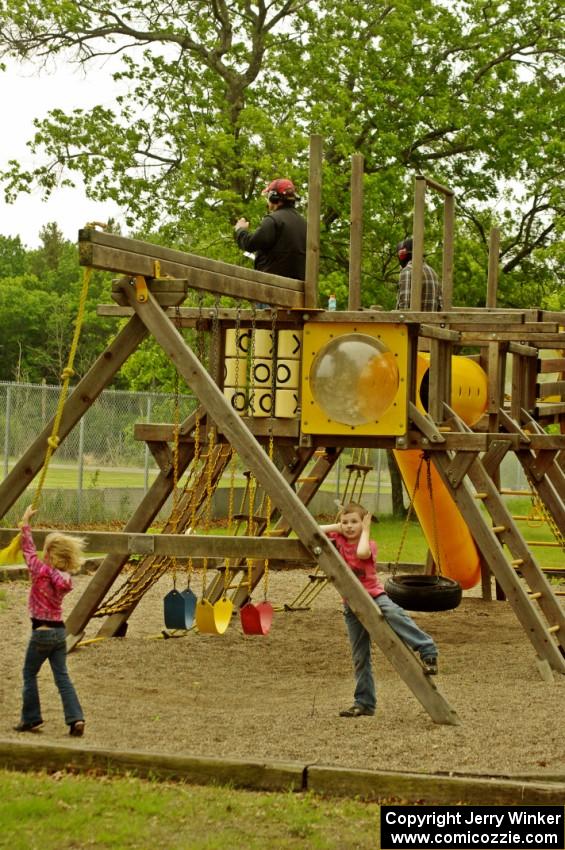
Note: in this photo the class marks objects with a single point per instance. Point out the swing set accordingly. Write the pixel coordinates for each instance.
(277, 428)
(183, 610)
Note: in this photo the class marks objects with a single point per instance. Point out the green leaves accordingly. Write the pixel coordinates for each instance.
(213, 100)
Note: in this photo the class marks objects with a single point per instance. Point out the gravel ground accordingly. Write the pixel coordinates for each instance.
(278, 697)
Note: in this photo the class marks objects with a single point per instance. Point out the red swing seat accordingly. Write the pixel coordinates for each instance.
(256, 619)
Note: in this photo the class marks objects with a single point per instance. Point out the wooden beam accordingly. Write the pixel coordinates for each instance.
(555, 364)
(433, 332)
(493, 259)
(439, 187)
(418, 243)
(525, 334)
(356, 231)
(190, 317)
(448, 250)
(261, 427)
(314, 214)
(274, 291)
(181, 545)
(166, 257)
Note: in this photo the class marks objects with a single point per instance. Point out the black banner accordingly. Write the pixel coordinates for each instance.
(473, 827)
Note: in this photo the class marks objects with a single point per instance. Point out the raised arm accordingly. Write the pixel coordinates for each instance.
(364, 544)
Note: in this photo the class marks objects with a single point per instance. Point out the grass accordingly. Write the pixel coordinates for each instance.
(66, 812)
(388, 533)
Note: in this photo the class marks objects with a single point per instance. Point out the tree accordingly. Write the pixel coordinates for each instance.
(39, 301)
(13, 257)
(219, 96)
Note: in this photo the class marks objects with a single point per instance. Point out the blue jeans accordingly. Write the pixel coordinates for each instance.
(402, 624)
(48, 644)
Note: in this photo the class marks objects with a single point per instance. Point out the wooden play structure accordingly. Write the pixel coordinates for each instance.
(395, 387)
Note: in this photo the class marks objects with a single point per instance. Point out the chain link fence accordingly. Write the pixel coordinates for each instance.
(100, 472)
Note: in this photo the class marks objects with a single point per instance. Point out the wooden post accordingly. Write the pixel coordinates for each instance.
(493, 256)
(313, 234)
(448, 236)
(356, 231)
(418, 243)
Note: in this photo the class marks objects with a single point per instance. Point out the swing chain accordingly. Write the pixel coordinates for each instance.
(176, 438)
(544, 515)
(408, 517)
(434, 517)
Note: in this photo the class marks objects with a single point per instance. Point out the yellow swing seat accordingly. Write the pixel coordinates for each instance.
(12, 553)
(213, 619)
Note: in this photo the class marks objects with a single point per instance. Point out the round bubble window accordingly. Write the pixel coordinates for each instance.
(354, 379)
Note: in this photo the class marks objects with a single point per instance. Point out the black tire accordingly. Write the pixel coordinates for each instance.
(424, 593)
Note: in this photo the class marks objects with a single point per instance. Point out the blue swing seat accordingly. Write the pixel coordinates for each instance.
(179, 608)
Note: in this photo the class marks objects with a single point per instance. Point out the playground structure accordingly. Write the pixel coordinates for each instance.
(296, 432)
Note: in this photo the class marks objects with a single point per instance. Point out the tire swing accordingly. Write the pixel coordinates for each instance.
(423, 592)
(179, 606)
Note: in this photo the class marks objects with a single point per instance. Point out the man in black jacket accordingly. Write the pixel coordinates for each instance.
(279, 243)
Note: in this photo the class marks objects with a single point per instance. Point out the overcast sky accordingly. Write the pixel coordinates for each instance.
(27, 94)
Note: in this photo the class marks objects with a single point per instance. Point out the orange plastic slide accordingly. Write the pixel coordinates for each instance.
(458, 555)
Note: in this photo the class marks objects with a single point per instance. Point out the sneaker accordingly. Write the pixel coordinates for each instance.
(76, 729)
(28, 727)
(430, 666)
(357, 711)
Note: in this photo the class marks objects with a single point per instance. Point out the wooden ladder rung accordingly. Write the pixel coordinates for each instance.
(498, 529)
(481, 496)
(547, 544)
(537, 595)
(553, 629)
(517, 562)
(361, 467)
(242, 517)
(308, 478)
(237, 586)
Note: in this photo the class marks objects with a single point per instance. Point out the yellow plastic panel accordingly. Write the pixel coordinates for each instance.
(354, 378)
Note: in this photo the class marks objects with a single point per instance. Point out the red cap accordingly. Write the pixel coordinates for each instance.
(281, 186)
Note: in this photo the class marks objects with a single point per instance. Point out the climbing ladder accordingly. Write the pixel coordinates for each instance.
(243, 587)
(120, 606)
(535, 605)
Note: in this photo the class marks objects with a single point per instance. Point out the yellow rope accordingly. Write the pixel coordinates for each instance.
(10, 552)
(66, 375)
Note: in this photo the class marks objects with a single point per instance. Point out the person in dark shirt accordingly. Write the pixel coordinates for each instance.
(279, 243)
